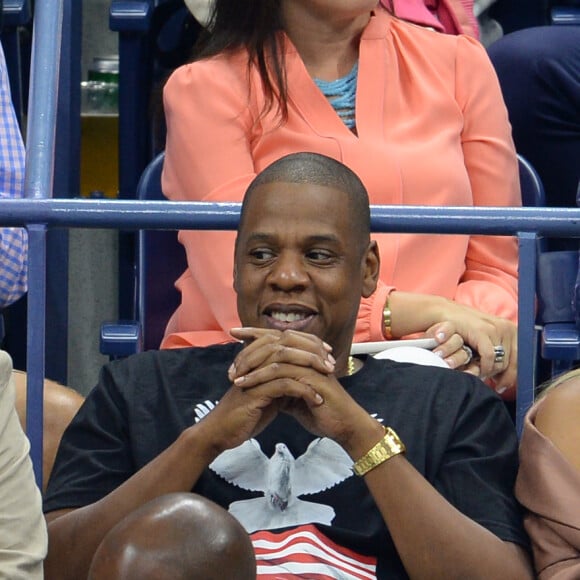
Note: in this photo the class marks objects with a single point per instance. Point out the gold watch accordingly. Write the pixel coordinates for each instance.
(389, 446)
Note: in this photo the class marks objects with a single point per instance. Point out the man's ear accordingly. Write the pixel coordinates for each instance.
(372, 267)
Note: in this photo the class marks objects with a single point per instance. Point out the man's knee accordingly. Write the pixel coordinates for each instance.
(179, 535)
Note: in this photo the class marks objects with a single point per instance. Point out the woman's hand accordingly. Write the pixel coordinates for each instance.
(452, 348)
(486, 336)
(492, 340)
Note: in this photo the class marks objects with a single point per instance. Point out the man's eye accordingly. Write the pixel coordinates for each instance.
(319, 255)
(262, 255)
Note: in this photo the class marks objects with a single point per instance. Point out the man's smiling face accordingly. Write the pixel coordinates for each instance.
(300, 264)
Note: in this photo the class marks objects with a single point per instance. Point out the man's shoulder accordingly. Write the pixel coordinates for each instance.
(432, 389)
(415, 399)
(174, 361)
(425, 376)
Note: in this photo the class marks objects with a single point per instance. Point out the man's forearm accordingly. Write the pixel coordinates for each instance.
(433, 538)
(75, 535)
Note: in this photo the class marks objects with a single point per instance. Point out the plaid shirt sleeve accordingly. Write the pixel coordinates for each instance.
(13, 241)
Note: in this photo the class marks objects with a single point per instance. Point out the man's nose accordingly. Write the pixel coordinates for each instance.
(289, 272)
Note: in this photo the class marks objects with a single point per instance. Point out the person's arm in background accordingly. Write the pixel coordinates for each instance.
(207, 158)
(557, 419)
(489, 284)
(13, 241)
(23, 536)
(549, 478)
(490, 280)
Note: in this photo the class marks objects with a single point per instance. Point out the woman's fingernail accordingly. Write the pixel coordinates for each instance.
(331, 359)
(326, 346)
(318, 398)
(240, 380)
(329, 365)
(440, 336)
(500, 390)
(439, 353)
(450, 362)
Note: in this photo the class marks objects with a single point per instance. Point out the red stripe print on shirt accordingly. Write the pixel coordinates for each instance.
(305, 552)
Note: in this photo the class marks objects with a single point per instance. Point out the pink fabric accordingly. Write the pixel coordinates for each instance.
(548, 486)
(430, 132)
(450, 16)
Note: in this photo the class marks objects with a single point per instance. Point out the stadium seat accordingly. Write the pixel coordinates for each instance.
(558, 283)
(160, 261)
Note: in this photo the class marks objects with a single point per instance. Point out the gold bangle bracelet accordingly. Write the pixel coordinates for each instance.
(389, 446)
(387, 315)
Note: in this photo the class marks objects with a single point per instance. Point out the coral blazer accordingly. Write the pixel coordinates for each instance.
(432, 129)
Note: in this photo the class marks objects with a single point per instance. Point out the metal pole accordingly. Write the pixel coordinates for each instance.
(40, 143)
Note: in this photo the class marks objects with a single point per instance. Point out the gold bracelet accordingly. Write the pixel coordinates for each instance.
(387, 315)
(389, 446)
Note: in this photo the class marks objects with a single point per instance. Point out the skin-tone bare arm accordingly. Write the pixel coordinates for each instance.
(74, 535)
(414, 312)
(557, 419)
(432, 537)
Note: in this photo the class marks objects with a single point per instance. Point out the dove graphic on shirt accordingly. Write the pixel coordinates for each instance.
(283, 479)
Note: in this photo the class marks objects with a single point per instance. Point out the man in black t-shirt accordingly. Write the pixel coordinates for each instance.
(336, 467)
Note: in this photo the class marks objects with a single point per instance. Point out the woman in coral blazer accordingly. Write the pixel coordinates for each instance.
(429, 127)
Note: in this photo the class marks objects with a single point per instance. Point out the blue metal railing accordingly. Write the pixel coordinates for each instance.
(170, 215)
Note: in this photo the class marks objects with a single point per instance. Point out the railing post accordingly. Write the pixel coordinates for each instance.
(527, 336)
(36, 344)
(38, 183)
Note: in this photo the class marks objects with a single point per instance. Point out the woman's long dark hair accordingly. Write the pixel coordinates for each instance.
(254, 25)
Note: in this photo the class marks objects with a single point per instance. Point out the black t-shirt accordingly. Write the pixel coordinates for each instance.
(288, 487)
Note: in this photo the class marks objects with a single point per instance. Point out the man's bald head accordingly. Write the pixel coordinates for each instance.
(317, 169)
